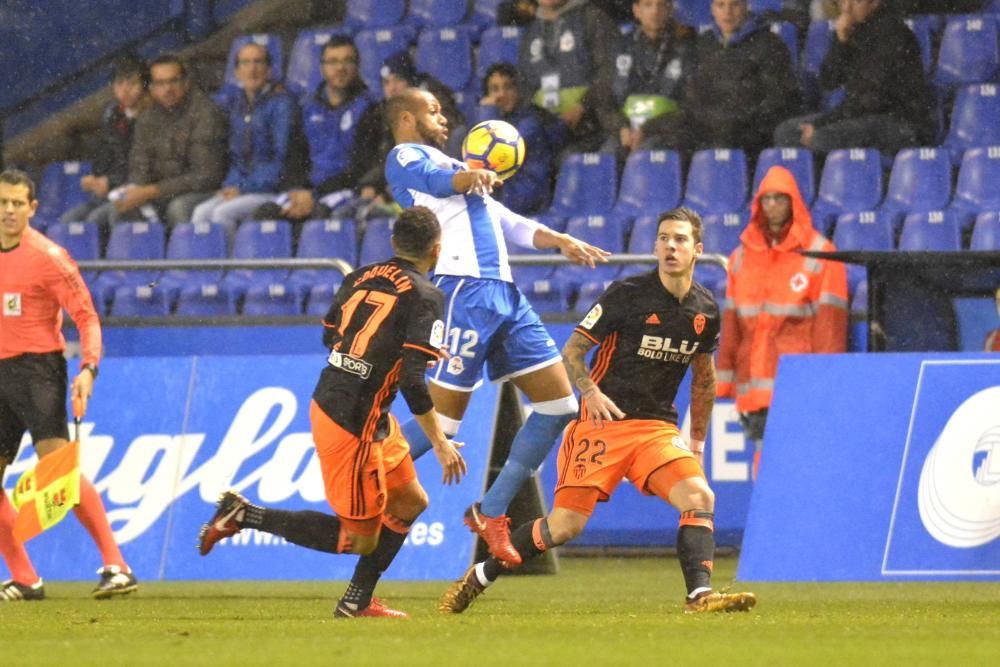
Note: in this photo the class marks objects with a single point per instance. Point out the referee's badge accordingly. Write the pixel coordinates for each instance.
(699, 323)
(12, 304)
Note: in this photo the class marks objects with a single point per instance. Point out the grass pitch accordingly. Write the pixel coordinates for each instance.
(606, 611)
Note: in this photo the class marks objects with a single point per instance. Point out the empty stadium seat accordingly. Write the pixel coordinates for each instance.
(986, 232)
(851, 181)
(498, 44)
(376, 245)
(920, 181)
(867, 230)
(323, 239)
(195, 240)
(259, 239)
(968, 51)
(304, 76)
(586, 185)
(366, 14)
(82, 240)
(484, 13)
(140, 301)
(694, 13)
(569, 279)
(321, 298)
(721, 231)
(59, 189)
(208, 300)
(651, 183)
(438, 13)
(603, 231)
(590, 291)
(526, 274)
(273, 300)
(799, 161)
(643, 235)
(975, 119)
(789, 34)
(374, 46)
(128, 241)
(931, 230)
(446, 54)
(978, 186)
(717, 181)
(544, 295)
(713, 277)
(274, 48)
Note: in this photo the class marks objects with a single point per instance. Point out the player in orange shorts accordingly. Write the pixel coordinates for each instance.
(649, 329)
(383, 328)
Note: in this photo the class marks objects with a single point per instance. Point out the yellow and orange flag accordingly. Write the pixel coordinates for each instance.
(48, 491)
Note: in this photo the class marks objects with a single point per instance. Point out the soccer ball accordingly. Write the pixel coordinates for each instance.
(494, 145)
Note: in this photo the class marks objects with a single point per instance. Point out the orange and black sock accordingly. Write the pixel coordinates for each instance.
(696, 549)
(370, 568)
(529, 539)
(313, 530)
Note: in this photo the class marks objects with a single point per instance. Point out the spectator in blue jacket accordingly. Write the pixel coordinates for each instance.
(528, 190)
(341, 130)
(262, 122)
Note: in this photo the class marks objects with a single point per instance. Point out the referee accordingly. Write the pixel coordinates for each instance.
(38, 279)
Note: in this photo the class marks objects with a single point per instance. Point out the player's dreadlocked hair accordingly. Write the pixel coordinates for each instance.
(684, 214)
(17, 177)
(416, 231)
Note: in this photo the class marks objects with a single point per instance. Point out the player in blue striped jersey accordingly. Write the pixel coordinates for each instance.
(487, 318)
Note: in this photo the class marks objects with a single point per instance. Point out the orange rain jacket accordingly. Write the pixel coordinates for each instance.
(777, 301)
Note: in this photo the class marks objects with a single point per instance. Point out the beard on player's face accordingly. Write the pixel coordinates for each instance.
(430, 134)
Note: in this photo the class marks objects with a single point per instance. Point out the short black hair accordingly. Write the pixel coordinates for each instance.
(416, 231)
(503, 69)
(18, 177)
(337, 41)
(128, 66)
(170, 59)
(683, 214)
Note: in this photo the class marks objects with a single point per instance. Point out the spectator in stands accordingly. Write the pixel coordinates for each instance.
(887, 105)
(777, 300)
(178, 154)
(341, 126)
(992, 343)
(650, 74)
(130, 87)
(567, 61)
(742, 86)
(263, 119)
(529, 189)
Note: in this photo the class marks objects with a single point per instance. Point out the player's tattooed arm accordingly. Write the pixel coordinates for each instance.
(575, 360)
(702, 395)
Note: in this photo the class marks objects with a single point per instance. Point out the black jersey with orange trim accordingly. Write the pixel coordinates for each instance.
(385, 324)
(646, 340)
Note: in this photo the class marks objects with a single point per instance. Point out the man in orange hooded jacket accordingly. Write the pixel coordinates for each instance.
(777, 300)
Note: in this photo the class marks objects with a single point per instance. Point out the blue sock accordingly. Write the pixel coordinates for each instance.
(530, 447)
(419, 442)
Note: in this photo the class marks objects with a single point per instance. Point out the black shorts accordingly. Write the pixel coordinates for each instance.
(32, 398)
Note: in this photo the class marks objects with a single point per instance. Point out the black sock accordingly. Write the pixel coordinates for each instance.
(306, 528)
(524, 541)
(696, 548)
(370, 568)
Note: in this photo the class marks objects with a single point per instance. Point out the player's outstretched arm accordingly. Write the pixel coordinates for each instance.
(573, 249)
(598, 406)
(445, 450)
(475, 182)
(702, 400)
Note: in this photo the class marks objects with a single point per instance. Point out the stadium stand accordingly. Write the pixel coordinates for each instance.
(303, 75)
(651, 181)
(975, 119)
(446, 54)
(272, 300)
(321, 298)
(865, 230)
(323, 239)
(920, 181)
(374, 46)
(498, 44)
(721, 231)
(59, 190)
(140, 301)
(851, 181)
(209, 300)
(986, 232)
(129, 241)
(367, 14)
(82, 240)
(717, 181)
(259, 239)
(799, 161)
(196, 240)
(375, 244)
(437, 13)
(587, 184)
(694, 13)
(931, 230)
(968, 51)
(978, 186)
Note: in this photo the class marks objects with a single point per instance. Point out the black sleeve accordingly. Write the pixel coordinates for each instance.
(424, 339)
(331, 322)
(605, 315)
(412, 384)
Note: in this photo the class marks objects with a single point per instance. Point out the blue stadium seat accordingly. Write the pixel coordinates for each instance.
(321, 298)
(923, 28)
(274, 48)
(304, 75)
(968, 51)
(195, 240)
(867, 230)
(717, 181)
(713, 277)
(819, 38)
(438, 13)
(799, 161)
(978, 187)
(140, 301)
(590, 291)
(761, 6)
(273, 300)
(643, 235)
(376, 245)
(374, 46)
(651, 183)
(82, 240)
(367, 14)
(851, 181)
(604, 231)
(59, 189)
(986, 232)
(721, 231)
(323, 239)
(789, 34)
(498, 44)
(259, 239)
(208, 300)
(586, 185)
(484, 13)
(569, 279)
(544, 295)
(920, 181)
(975, 119)
(525, 275)
(930, 230)
(446, 54)
(694, 13)
(130, 240)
